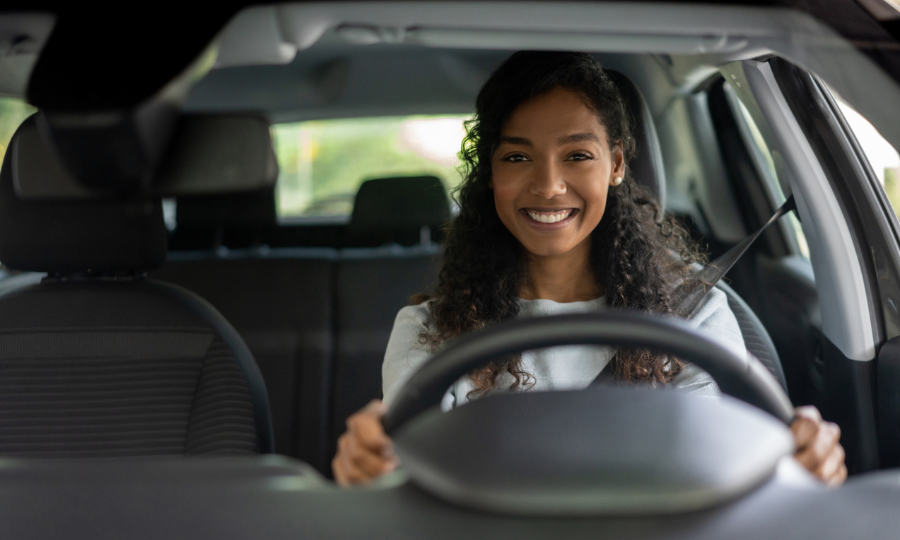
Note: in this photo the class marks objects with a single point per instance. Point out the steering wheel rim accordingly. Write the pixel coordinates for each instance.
(746, 378)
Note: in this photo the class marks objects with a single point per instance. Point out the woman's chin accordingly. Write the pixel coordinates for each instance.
(547, 249)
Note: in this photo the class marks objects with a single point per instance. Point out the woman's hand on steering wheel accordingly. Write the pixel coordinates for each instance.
(364, 452)
(818, 446)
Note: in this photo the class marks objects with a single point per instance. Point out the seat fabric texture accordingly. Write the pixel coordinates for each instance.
(756, 339)
(98, 361)
(371, 287)
(85, 375)
(281, 304)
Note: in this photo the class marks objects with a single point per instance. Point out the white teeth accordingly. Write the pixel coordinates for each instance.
(549, 218)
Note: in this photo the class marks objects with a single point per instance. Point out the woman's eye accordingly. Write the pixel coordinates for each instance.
(580, 156)
(515, 158)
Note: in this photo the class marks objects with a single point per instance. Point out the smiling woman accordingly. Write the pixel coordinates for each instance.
(551, 135)
(552, 221)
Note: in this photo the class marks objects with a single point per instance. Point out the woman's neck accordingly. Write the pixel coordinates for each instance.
(561, 278)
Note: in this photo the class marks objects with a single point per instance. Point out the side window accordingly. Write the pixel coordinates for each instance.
(13, 112)
(767, 161)
(881, 155)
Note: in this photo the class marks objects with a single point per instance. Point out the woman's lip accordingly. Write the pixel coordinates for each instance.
(555, 226)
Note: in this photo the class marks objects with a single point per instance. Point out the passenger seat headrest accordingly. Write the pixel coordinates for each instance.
(647, 164)
(75, 236)
(387, 205)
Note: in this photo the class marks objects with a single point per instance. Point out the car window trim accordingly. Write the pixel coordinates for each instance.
(846, 316)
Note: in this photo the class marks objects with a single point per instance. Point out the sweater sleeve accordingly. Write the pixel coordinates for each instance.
(405, 353)
(716, 320)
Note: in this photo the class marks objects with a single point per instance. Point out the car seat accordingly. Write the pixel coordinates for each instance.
(96, 360)
(647, 170)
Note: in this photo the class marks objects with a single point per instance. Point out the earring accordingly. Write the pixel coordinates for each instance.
(617, 180)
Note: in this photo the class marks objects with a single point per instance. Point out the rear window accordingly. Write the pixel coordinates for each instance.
(323, 162)
(13, 112)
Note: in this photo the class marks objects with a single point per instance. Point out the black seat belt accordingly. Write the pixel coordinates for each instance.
(688, 299)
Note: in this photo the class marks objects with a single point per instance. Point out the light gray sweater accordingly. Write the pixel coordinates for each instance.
(558, 368)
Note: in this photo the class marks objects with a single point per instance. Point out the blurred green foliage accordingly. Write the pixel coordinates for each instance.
(323, 162)
(892, 188)
(13, 112)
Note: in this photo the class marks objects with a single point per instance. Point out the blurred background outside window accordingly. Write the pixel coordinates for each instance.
(323, 162)
(882, 156)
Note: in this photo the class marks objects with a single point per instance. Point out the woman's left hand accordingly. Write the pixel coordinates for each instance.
(817, 446)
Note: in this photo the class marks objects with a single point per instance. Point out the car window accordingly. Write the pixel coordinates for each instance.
(881, 155)
(12, 113)
(323, 162)
(765, 160)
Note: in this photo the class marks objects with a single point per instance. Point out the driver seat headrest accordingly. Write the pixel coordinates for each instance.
(647, 164)
(75, 236)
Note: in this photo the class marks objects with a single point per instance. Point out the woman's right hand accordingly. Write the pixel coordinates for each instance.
(364, 452)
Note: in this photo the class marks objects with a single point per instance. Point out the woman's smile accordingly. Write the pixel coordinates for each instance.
(549, 219)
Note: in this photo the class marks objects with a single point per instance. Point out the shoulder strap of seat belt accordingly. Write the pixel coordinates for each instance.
(689, 298)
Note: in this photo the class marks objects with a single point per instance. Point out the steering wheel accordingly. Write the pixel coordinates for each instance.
(746, 378)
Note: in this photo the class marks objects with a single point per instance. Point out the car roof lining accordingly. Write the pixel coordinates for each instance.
(705, 35)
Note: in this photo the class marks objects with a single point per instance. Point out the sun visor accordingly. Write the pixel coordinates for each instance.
(209, 154)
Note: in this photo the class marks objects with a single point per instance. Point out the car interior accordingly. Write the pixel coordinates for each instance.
(191, 312)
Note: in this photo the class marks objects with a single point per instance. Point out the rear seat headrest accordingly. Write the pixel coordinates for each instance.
(76, 236)
(252, 210)
(647, 164)
(399, 204)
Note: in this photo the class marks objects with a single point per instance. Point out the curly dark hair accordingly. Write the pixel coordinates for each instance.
(638, 256)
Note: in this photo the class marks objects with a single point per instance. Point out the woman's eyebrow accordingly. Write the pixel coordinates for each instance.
(578, 137)
(515, 140)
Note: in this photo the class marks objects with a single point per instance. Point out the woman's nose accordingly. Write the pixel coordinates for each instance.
(548, 182)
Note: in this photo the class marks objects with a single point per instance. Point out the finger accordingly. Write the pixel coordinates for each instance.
(804, 431)
(370, 463)
(376, 407)
(805, 425)
(346, 472)
(366, 427)
(831, 465)
(337, 467)
(350, 475)
(840, 477)
(817, 451)
(809, 412)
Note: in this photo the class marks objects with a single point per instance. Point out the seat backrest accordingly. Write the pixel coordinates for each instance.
(97, 360)
(756, 338)
(647, 170)
(281, 302)
(371, 285)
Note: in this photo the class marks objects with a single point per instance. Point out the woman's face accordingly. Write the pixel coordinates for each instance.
(551, 172)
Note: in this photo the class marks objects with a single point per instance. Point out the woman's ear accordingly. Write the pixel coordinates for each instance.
(618, 161)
